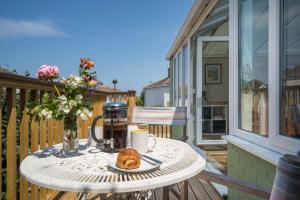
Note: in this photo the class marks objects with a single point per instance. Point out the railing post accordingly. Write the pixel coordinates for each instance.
(34, 141)
(11, 145)
(24, 140)
(131, 103)
(98, 103)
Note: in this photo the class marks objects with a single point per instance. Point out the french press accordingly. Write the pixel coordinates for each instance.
(115, 126)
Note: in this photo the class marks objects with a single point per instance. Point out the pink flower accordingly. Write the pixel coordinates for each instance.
(47, 72)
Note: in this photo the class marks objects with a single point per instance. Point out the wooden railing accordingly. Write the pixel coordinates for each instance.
(23, 135)
(162, 131)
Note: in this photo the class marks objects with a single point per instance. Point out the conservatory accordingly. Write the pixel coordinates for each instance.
(236, 67)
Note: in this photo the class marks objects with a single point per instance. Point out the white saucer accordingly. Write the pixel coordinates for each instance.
(144, 167)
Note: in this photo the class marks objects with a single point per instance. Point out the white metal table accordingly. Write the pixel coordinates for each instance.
(88, 171)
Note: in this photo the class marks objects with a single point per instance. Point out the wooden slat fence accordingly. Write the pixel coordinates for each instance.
(162, 131)
(24, 135)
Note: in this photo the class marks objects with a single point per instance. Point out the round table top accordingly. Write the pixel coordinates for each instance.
(88, 171)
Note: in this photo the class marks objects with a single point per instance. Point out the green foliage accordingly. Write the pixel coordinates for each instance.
(27, 73)
(140, 101)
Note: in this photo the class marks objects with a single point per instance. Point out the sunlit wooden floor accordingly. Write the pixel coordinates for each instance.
(198, 190)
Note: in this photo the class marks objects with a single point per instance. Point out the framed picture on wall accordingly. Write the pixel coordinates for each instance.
(213, 73)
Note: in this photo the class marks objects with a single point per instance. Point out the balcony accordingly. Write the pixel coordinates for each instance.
(20, 136)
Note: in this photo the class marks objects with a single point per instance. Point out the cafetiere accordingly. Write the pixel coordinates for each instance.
(115, 125)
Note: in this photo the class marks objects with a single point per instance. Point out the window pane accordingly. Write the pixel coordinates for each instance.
(290, 69)
(253, 66)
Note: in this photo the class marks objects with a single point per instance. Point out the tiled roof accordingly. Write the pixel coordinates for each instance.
(161, 83)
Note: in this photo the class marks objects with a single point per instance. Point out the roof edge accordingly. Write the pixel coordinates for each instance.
(197, 6)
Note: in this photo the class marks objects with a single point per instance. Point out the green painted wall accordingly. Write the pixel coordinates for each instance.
(246, 166)
(177, 132)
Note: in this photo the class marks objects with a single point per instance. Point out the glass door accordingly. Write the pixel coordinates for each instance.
(212, 88)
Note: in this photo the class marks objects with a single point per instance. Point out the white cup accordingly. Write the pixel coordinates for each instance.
(139, 141)
(129, 129)
(98, 133)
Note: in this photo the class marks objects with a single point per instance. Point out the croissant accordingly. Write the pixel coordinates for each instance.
(128, 159)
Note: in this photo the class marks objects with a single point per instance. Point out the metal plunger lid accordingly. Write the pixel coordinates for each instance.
(114, 106)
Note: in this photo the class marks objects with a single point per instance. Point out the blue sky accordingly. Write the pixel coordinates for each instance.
(127, 38)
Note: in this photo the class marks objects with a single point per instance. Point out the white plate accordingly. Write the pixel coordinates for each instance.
(144, 167)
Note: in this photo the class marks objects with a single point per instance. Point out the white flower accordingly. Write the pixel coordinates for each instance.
(73, 81)
(78, 97)
(63, 99)
(46, 113)
(83, 116)
(78, 79)
(85, 110)
(64, 108)
(49, 115)
(78, 112)
(72, 103)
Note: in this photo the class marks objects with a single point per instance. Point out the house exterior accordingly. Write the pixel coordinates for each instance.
(158, 93)
(237, 61)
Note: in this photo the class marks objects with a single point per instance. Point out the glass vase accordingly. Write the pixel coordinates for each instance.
(70, 136)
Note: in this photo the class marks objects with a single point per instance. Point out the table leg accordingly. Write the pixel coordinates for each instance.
(81, 196)
(183, 190)
(166, 193)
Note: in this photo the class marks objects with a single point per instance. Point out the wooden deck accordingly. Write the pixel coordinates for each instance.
(198, 190)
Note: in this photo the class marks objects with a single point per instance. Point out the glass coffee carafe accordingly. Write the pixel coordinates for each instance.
(114, 127)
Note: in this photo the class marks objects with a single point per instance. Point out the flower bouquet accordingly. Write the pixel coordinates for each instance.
(69, 103)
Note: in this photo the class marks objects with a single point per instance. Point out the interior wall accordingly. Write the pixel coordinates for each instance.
(217, 93)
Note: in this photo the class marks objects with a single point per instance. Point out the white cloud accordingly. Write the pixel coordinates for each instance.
(28, 28)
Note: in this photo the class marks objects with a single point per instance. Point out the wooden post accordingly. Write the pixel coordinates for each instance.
(131, 103)
(50, 132)
(24, 120)
(61, 130)
(11, 145)
(56, 132)
(34, 143)
(43, 142)
(98, 103)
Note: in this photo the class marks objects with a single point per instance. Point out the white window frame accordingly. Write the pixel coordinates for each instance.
(274, 141)
(173, 81)
(180, 79)
(188, 79)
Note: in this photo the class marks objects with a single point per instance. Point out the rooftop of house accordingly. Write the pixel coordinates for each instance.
(106, 88)
(161, 83)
